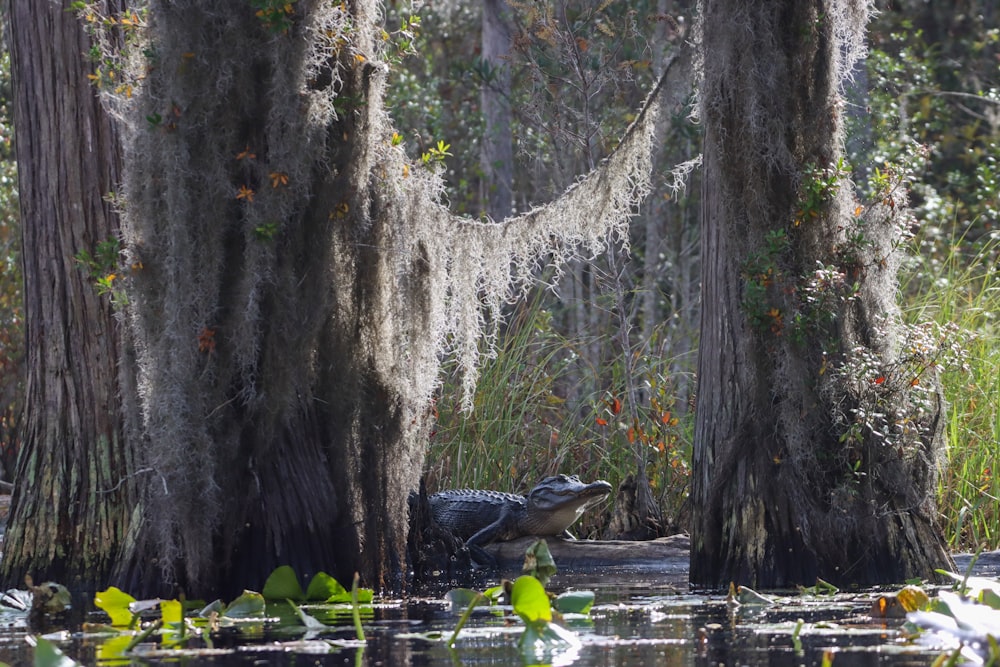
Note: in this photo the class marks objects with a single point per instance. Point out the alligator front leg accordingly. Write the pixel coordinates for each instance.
(480, 539)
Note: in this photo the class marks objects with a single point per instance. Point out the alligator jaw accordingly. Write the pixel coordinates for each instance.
(557, 502)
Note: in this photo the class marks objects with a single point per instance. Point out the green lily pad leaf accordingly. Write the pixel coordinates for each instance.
(493, 594)
(530, 600)
(283, 584)
(115, 604)
(248, 605)
(324, 588)
(48, 654)
(461, 598)
(574, 602)
(171, 611)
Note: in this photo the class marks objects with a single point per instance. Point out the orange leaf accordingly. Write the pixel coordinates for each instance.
(615, 405)
(602, 422)
(665, 418)
(246, 154)
(879, 380)
(245, 193)
(630, 434)
(206, 340)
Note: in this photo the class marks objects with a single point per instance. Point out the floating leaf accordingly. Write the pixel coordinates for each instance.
(283, 584)
(574, 602)
(171, 611)
(248, 605)
(115, 604)
(530, 600)
(913, 598)
(461, 598)
(325, 588)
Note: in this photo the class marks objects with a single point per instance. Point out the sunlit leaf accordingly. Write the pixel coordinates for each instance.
(111, 651)
(913, 598)
(115, 604)
(171, 611)
(530, 600)
(324, 588)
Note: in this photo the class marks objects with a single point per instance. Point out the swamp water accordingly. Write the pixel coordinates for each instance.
(636, 620)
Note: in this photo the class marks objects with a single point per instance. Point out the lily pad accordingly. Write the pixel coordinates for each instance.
(248, 605)
(530, 600)
(116, 604)
(574, 602)
(283, 584)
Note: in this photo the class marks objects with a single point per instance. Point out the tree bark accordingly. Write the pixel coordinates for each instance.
(497, 152)
(791, 480)
(73, 495)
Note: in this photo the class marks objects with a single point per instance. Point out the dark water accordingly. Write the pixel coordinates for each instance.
(635, 621)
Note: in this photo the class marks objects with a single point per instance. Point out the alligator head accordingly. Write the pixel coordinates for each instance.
(556, 502)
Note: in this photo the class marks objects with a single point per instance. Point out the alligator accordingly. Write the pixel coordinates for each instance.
(481, 517)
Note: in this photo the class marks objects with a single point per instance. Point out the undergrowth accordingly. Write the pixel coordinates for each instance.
(523, 428)
(963, 288)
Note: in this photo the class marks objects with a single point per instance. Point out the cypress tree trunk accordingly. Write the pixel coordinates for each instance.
(264, 313)
(818, 427)
(72, 499)
(287, 283)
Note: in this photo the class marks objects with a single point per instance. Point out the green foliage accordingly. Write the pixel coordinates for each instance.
(963, 292)
(818, 187)
(103, 267)
(436, 153)
(275, 15)
(283, 584)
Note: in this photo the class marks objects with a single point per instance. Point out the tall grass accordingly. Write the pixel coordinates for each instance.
(963, 288)
(524, 427)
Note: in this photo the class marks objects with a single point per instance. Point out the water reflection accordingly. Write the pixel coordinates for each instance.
(639, 622)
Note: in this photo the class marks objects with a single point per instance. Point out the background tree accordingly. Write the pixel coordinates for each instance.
(70, 518)
(819, 418)
(288, 279)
